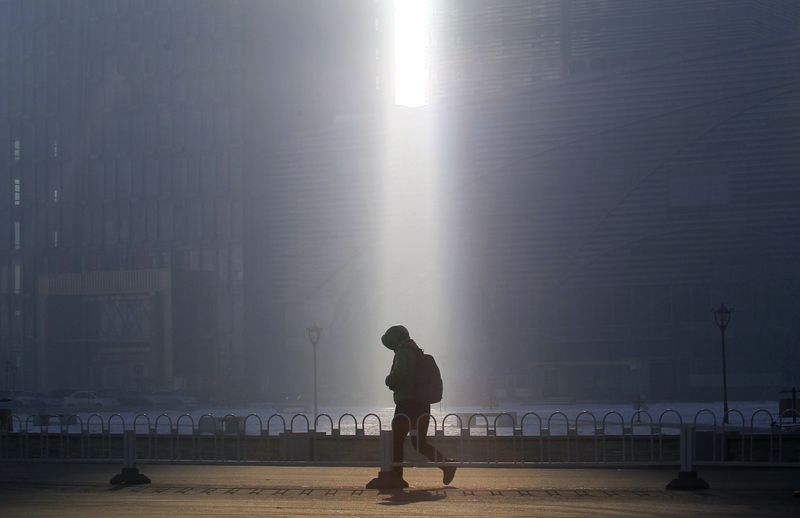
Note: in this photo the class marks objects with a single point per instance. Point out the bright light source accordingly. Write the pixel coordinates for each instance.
(411, 52)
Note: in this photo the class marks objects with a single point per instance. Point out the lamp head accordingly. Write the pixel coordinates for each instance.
(313, 334)
(722, 315)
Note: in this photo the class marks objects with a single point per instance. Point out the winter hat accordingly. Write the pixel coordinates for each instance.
(394, 335)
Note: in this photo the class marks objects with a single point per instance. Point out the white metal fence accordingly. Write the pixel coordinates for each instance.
(501, 439)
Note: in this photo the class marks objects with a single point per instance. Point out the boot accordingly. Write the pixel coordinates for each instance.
(448, 472)
(387, 480)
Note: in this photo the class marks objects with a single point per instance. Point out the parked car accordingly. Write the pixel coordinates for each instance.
(86, 399)
(168, 400)
(126, 398)
(59, 394)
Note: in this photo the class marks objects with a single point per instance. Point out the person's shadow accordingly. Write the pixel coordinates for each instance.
(401, 497)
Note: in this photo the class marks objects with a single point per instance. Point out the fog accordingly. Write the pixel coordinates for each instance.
(552, 196)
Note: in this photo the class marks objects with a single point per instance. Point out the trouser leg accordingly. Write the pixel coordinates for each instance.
(420, 439)
(400, 428)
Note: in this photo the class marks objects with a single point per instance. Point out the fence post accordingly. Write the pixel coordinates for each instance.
(687, 476)
(130, 473)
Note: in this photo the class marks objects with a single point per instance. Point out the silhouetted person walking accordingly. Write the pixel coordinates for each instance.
(411, 414)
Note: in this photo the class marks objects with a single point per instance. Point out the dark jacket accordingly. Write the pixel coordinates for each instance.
(401, 378)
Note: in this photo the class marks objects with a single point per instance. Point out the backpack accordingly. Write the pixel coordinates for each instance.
(427, 380)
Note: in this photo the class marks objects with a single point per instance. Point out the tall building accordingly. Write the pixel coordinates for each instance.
(130, 132)
(618, 203)
(123, 131)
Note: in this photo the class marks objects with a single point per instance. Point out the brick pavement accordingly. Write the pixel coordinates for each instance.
(28, 489)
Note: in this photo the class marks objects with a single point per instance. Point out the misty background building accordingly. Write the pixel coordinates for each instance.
(187, 185)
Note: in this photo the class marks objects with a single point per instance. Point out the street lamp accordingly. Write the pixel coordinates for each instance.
(722, 316)
(313, 336)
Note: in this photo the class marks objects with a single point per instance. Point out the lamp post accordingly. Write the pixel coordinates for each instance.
(722, 317)
(313, 336)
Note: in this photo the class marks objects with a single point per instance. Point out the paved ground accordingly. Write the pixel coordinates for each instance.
(28, 489)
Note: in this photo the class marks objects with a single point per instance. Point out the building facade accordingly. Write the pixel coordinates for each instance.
(131, 134)
(621, 202)
(123, 133)
(613, 170)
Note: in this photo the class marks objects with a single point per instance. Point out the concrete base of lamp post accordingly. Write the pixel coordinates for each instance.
(687, 481)
(130, 473)
(129, 477)
(387, 478)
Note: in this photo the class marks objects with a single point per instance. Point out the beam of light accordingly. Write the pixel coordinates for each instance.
(411, 52)
(407, 272)
(411, 270)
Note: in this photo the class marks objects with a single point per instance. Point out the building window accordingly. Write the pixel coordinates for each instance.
(17, 150)
(194, 260)
(55, 195)
(17, 236)
(55, 148)
(17, 278)
(237, 264)
(17, 191)
(55, 239)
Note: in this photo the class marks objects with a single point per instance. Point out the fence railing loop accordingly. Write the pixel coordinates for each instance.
(550, 420)
(291, 422)
(594, 421)
(136, 422)
(214, 424)
(753, 431)
(235, 426)
(364, 423)
(95, 417)
(283, 422)
(475, 417)
(636, 419)
(578, 432)
(762, 411)
(525, 416)
(316, 422)
(510, 417)
(121, 420)
(669, 411)
(191, 423)
(605, 423)
(733, 411)
(247, 418)
(70, 420)
(339, 423)
(704, 411)
(169, 423)
(460, 423)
